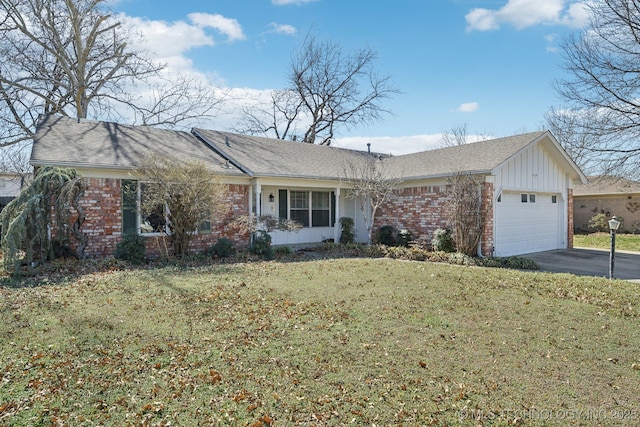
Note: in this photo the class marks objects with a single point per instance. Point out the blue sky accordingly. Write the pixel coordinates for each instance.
(487, 64)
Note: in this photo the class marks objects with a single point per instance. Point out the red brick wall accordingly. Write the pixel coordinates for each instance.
(486, 240)
(422, 210)
(570, 219)
(103, 224)
(102, 203)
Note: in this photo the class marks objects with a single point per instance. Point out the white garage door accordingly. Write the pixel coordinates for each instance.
(528, 223)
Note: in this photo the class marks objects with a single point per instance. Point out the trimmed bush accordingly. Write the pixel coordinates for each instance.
(442, 241)
(223, 248)
(386, 235)
(262, 245)
(283, 251)
(348, 235)
(403, 238)
(131, 248)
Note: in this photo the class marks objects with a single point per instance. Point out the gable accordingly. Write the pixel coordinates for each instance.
(540, 166)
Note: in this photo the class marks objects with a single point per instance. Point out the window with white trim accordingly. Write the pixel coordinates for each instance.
(308, 208)
(299, 207)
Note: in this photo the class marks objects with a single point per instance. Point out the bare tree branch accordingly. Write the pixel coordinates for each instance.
(370, 186)
(603, 90)
(73, 57)
(329, 89)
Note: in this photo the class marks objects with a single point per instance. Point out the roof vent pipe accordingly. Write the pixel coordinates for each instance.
(369, 147)
(226, 141)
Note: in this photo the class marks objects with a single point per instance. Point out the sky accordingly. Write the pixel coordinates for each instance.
(488, 65)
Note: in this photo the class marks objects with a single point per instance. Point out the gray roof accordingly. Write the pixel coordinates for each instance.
(63, 141)
(479, 157)
(259, 156)
(607, 184)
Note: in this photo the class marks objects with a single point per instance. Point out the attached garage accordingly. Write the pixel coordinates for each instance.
(529, 222)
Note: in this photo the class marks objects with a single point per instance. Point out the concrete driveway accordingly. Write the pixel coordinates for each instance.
(589, 262)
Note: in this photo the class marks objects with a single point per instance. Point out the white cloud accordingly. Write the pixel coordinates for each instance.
(395, 145)
(227, 26)
(286, 2)
(168, 42)
(526, 13)
(468, 107)
(288, 30)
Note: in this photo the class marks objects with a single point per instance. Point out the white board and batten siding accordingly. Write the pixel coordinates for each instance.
(530, 208)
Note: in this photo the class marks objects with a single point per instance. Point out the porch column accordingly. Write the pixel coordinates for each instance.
(258, 199)
(336, 226)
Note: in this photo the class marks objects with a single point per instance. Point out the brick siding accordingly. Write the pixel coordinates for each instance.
(103, 224)
(570, 224)
(422, 210)
(486, 240)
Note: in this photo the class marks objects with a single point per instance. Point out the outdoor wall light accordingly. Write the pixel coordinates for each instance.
(272, 198)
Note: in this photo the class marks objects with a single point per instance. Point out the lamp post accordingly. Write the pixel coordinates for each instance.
(613, 226)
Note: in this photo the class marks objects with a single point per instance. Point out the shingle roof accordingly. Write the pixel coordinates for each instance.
(476, 157)
(277, 158)
(606, 184)
(63, 141)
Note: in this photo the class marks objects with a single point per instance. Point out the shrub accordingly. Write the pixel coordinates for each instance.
(223, 248)
(283, 251)
(403, 238)
(348, 235)
(442, 241)
(598, 222)
(131, 248)
(386, 235)
(262, 245)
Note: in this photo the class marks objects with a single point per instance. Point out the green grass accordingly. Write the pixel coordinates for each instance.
(325, 343)
(625, 242)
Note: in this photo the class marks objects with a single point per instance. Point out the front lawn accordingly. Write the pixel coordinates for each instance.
(326, 342)
(625, 242)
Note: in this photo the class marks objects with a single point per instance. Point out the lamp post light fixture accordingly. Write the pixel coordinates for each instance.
(613, 226)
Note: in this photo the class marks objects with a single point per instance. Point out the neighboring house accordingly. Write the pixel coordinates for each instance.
(10, 186)
(608, 195)
(526, 181)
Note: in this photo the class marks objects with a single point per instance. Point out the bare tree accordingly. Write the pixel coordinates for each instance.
(568, 128)
(604, 84)
(465, 212)
(370, 186)
(458, 135)
(190, 193)
(72, 57)
(328, 89)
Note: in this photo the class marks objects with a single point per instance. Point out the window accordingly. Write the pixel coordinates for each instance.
(205, 226)
(532, 198)
(156, 220)
(299, 207)
(129, 206)
(320, 209)
(554, 199)
(132, 220)
(308, 208)
(524, 198)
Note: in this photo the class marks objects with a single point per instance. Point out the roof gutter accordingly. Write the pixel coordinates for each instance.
(221, 153)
